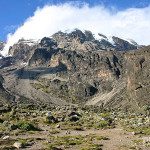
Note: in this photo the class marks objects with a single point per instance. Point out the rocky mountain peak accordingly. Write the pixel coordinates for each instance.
(123, 45)
(76, 40)
(78, 67)
(102, 36)
(48, 42)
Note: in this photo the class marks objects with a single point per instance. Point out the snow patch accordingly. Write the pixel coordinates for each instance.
(131, 42)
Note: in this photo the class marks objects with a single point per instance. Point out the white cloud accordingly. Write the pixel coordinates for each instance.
(132, 23)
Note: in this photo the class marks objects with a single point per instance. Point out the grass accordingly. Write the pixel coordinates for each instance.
(27, 124)
(144, 130)
(136, 123)
(87, 142)
(53, 131)
(89, 121)
(92, 147)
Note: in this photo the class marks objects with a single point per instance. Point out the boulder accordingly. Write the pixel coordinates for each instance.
(50, 118)
(6, 137)
(18, 145)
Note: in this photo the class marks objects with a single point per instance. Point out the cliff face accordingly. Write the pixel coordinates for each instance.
(138, 76)
(2, 44)
(77, 68)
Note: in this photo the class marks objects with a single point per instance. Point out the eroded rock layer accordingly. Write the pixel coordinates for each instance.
(77, 68)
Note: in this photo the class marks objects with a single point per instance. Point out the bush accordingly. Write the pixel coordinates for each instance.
(27, 126)
(103, 124)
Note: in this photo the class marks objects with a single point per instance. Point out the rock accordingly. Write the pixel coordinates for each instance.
(123, 45)
(6, 137)
(34, 115)
(18, 145)
(5, 123)
(48, 42)
(2, 44)
(68, 132)
(40, 57)
(146, 140)
(22, 50)
(50, 118)
(136, 133)
(74, 118)
(48, 114)
(13, 127)
(133, 133)
(73, 113)
(58, 126)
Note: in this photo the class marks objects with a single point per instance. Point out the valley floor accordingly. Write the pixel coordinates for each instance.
(78, 130)
(118, 139)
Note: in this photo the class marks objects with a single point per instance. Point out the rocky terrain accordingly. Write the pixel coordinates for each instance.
(73, 128)
(72, 91)
(76, 68)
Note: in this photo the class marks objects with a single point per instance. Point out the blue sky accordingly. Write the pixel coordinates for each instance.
(13, 13)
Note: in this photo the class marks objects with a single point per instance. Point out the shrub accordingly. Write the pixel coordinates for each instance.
(23, 125)
(103, 124)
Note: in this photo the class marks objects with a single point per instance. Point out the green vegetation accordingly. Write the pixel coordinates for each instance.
(23, 125)
(87, 142)
(139, 124)
(64, 133)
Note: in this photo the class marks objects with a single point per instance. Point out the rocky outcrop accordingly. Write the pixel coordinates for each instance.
(85, 41)
(74, 41)
(77, 68)
(123, 45)
(6, 62)
(2, 44)
(138, 76)
(22, 50)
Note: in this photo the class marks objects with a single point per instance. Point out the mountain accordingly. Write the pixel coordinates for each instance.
(78, 68)
(2, 44)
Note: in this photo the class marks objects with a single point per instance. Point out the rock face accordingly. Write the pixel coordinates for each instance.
(138, 76)
(120, 44)
(2, 44)
(77, 68)
(74, 41)
(22, 50)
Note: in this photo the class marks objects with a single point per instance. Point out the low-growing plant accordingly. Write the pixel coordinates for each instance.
(24, 125)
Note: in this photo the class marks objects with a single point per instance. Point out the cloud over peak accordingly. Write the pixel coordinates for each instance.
(133, 23)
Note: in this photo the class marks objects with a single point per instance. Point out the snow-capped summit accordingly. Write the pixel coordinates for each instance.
(76, 39)
(117, 43)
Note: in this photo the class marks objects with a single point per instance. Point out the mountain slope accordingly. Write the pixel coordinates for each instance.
(6, 99)
(77, 68)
